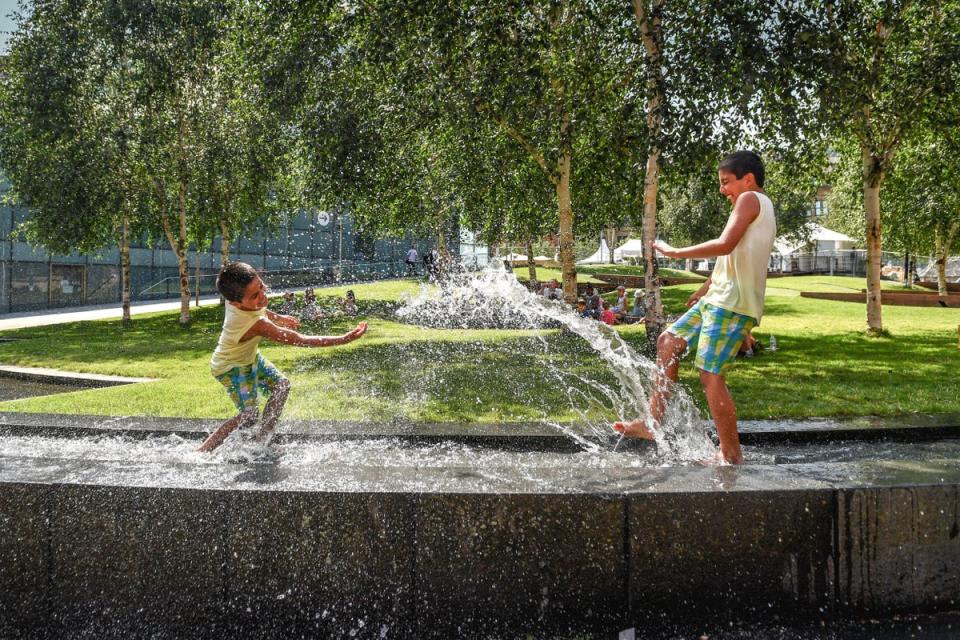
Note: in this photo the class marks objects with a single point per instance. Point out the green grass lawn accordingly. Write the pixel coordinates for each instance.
(792, 286)
(825, 365)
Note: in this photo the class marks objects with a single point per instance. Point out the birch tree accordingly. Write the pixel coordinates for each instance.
(888, 68)
(65, 119)
(137, 115)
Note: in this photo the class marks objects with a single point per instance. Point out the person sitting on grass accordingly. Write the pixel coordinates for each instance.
(639, 305)
(311, 310)
(553, 291)
(607, 316)
(637, 314)
(289, 305)
(724, 310)
(749, 346)
(593, 299)
(237, 363)
(349, 304)
(582, 310)
(620, 306)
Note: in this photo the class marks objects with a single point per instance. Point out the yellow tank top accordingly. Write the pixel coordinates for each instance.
(739, 280)
(230, 352)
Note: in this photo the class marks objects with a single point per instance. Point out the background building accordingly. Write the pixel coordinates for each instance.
(308, 248)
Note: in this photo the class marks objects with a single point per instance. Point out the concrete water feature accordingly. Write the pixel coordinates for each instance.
(116, 527)
(422, 535)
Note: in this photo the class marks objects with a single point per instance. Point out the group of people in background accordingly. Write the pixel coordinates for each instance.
(621, 311)
(593, 305)
(311, 310)
(431, 263)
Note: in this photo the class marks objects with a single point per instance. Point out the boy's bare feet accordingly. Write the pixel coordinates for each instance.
(717, 460)
(634, 429)
(713, 461)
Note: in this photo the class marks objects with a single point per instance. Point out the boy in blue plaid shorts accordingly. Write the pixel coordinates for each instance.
(723, 311)
(237, 363)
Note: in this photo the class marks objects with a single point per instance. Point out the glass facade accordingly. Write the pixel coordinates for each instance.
(309, 248)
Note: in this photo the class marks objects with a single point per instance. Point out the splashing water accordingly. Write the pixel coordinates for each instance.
(493, 298)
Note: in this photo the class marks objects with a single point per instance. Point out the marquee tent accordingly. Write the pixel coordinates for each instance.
(632, 248)
(825, 240)
(601, 256)
(953, 271)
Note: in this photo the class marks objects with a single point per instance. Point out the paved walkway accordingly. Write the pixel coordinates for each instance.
(46, 317)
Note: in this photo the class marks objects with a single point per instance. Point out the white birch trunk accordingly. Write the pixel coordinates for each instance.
(873, 176)
(125, 272)
(567, 265)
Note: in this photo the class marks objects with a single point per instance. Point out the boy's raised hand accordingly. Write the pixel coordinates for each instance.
(356, 332)
(663, 248)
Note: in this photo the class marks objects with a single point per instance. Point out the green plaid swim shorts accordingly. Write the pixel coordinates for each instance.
(717, 334)
(244, 383)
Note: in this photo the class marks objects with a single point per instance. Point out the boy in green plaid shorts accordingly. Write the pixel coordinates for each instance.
(237, 363)
(723, 311)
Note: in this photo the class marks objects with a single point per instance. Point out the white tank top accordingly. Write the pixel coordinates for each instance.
(739, 280)
(230, 351)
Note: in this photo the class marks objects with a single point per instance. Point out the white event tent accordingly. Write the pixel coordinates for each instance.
(824, 239)
(952, 271)
(601, 256)
(632, 248)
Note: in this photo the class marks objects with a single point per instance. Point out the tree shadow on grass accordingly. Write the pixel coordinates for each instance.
(844, 375)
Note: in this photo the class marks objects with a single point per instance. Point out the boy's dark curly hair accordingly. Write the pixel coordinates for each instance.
(233, 280)
(740, 163)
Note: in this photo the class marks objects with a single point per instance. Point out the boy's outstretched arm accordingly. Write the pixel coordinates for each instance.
(744, 213)
(271, 331)
(288, 322)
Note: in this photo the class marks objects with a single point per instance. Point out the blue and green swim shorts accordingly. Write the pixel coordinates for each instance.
(245, 383)
(717, 334)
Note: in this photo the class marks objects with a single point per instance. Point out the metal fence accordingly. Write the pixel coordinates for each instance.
(29, 286)
(846, 263)
(839, 263)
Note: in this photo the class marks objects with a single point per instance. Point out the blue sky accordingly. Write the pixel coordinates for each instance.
(6, 24)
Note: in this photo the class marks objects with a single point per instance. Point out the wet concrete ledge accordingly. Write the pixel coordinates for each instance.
(535, 436)
(111, 549)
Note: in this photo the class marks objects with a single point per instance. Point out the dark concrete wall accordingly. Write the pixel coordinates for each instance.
(86, 561)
